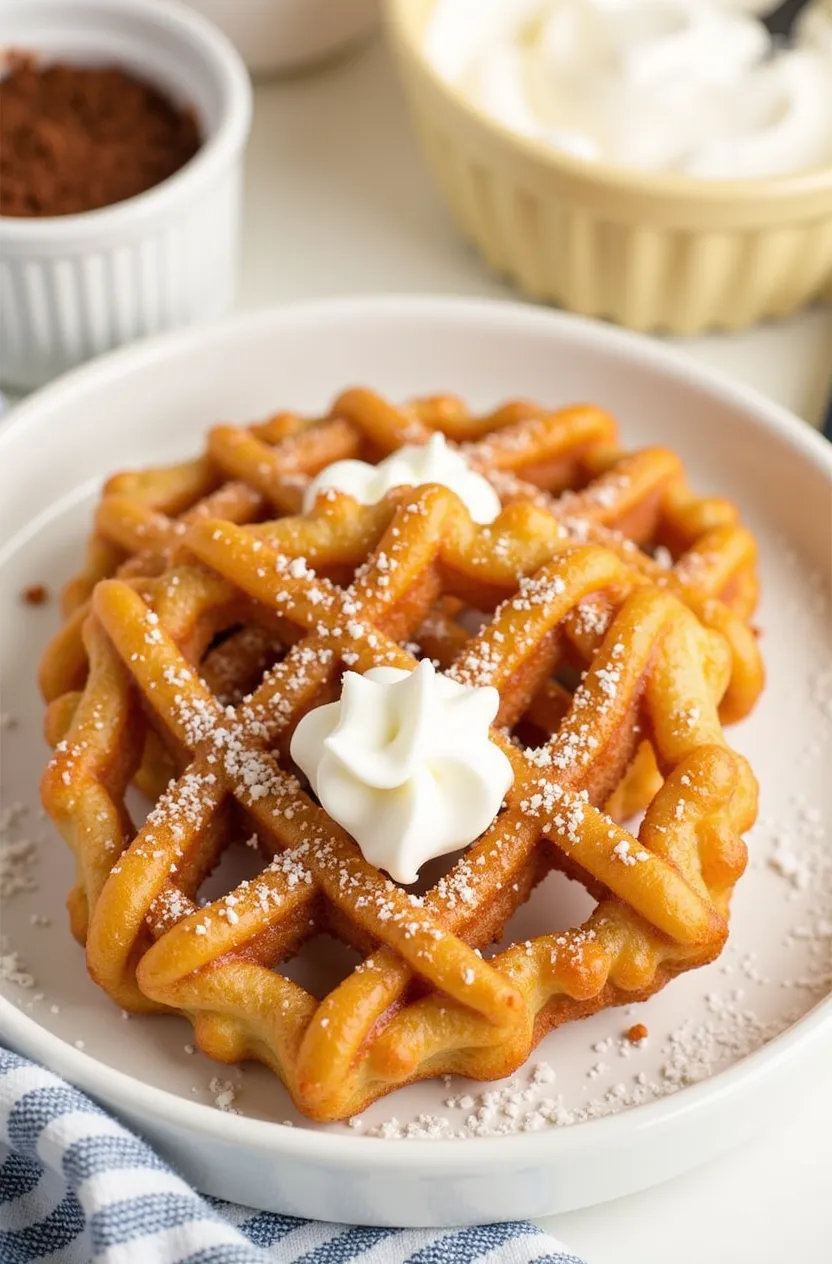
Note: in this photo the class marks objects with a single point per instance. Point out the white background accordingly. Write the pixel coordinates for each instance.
(338, 202)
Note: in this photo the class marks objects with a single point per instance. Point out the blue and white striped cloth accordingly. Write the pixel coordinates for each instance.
(76, 1187)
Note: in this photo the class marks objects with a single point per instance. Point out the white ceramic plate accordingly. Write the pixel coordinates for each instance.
(756, 1026)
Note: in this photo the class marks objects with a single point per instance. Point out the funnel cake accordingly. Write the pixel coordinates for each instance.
(568, 462)
(358, 587)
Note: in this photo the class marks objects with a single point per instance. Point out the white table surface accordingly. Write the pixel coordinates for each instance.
(338, 202)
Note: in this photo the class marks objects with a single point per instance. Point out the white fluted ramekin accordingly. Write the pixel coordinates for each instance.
(72, 286)
(648, 250)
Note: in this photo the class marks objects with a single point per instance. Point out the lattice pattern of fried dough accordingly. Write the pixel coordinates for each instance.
(568, 462)
(423, 1001)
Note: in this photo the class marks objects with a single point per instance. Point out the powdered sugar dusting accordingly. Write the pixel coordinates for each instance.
(531, 1102)
(18, 852)
(224, 1093)
(12, 969)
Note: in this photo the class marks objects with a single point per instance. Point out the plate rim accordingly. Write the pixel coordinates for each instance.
(414, 1155)
(421, 1155)
(660, 356)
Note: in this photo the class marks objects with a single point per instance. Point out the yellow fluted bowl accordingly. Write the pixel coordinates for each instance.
(648, 251)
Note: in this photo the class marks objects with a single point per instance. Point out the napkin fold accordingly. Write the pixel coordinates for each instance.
(77, 1187)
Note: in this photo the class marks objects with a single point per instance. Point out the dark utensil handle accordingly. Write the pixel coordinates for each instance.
(780, 22)
(826, 423)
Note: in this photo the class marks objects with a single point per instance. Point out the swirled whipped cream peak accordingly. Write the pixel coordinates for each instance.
(410, 466)
(691, 86)
(405, 763)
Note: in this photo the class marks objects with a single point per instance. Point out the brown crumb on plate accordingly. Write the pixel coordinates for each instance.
(35, 595)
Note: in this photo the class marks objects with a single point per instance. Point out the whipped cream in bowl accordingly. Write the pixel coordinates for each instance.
(405, 763)
(410, 466)
(686, 86)
(814, 26)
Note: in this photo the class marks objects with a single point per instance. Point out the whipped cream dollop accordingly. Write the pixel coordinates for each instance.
(692, 86)
(404, 762)
(410, 466)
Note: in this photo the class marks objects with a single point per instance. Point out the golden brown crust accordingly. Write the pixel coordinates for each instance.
(423, 1002)
(568, 462)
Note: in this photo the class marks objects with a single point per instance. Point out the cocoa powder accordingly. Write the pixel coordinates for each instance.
(75, 138)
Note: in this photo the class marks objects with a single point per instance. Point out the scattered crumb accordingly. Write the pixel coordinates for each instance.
(224, 1093)
(18, 852)
(637, 1033)
(691, 1053)
(12, 969)
(35, 595)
